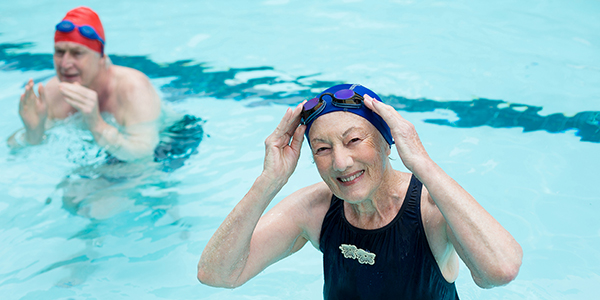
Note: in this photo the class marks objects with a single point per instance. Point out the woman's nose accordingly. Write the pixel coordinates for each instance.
(342, 159)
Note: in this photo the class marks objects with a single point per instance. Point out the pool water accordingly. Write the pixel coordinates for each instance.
(504, 95)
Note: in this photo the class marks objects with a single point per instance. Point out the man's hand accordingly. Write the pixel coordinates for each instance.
(85, 101)
(34, 112)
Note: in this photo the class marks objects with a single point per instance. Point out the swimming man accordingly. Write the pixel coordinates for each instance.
(87, 82)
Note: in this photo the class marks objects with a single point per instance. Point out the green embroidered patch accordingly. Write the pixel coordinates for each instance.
(363, 257)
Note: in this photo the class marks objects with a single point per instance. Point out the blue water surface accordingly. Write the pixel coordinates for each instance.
(503, 94)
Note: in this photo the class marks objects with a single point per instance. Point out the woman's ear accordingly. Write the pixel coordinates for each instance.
(387, 148)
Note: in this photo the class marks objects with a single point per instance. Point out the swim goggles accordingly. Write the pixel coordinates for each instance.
(86, 31)
(345, 98)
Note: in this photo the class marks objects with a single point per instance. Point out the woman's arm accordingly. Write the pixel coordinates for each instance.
(491, 253)
(489, 250)
(242, 246)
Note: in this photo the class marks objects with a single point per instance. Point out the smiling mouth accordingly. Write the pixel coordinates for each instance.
(348, 179)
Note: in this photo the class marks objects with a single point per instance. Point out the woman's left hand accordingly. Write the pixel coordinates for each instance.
(407, 140)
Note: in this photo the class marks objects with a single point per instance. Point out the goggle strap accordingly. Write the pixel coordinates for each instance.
(347, 105)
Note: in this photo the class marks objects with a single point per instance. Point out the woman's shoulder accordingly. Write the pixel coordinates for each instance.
(319, 188)
(314, 196)
(310, 207)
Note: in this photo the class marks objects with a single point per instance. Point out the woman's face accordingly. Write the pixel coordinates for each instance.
(350, 154)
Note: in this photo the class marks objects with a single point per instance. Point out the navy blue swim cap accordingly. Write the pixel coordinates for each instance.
(362, 111)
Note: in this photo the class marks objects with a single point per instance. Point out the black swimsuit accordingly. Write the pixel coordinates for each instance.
(392, 262)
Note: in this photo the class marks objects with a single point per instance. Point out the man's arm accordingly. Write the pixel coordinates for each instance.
(141, 107)
(138, 109)
(39, 113)
(33, 110)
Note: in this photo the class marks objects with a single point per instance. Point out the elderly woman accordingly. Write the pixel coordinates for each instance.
(382, 234)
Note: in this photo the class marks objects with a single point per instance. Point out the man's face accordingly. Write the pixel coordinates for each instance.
(76, 63)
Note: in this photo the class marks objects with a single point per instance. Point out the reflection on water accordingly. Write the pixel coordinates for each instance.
(192, 79)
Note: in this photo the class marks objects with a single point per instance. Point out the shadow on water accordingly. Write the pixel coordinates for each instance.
(192, 79)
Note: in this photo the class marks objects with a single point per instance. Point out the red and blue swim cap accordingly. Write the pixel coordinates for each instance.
(325, 103)
(80, 17)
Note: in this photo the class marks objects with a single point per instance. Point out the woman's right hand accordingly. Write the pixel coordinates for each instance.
(282, 147)
(409, 146)
(33, 111)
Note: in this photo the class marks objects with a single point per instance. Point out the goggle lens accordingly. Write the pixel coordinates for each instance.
(65, 26)
(311, 103)
(89, 32)
(312, 108)
(344, 94)
(345, 98)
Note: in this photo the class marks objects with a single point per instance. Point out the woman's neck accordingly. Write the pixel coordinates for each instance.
(382, 207)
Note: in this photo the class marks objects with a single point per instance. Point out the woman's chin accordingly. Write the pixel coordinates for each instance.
(353, 193)
(352, 197)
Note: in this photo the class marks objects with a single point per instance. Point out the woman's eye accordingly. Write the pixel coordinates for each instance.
(354, 140)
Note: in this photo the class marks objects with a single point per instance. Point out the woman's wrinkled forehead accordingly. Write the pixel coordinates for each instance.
(339, 124)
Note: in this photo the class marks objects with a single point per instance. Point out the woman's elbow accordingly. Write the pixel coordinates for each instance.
(502, 274)
(511, 269)
(507, 274)
(208, 278)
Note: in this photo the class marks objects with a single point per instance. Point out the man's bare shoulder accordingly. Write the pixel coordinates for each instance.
(135, 95)
(130, 79)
